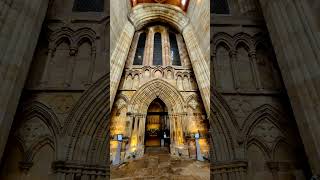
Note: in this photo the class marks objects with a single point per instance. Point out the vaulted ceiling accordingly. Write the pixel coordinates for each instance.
(183, 4)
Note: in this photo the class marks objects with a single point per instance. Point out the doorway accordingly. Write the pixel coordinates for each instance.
(157, 130)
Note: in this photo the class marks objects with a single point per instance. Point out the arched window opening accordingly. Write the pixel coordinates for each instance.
(174, 50)
(138, 58)
(157, 50)
(220, 7)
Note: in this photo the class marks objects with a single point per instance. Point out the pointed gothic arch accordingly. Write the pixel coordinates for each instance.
(157, 89)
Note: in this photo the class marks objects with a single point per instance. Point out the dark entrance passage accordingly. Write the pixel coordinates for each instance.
(157, 132)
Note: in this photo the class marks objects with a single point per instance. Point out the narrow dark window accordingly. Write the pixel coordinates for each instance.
(219, 7)
(138, 58)
(174, 50)
(157, 50)
(88, 6)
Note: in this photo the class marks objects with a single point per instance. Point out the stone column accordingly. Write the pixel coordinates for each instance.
(297, 46)
(199, 65)
(172, 128)
(91, 67)
(19, 31)
(166, 46)
(143, 128)
(71, 65)
(215, 81)
(45, 76)
(253, 60)
(118, 59)
(233, 56)
(147, 48)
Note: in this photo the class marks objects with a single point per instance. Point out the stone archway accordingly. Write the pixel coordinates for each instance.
(157, 89)
(84, 148)
(137, 112)
(157, 123)
(140, 16)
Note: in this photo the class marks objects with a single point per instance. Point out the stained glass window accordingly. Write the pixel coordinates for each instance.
(219, 7)
(88, 5)
(138, 58)
(157, 50)
(174, 50)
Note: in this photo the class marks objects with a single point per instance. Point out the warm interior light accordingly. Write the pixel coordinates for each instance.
(134, 141)
(183, 2)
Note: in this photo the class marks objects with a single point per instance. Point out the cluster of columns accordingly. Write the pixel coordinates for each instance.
(71, 65)
(149, 45)
(296, 40)
(234, 70)
(20, 26)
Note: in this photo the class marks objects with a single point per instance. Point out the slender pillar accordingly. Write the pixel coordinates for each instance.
(297, 45)
(257, 79)
(235, 74)
(166, 47)
(45, 76)
(20, 28)
(91, 67)
(71, 66)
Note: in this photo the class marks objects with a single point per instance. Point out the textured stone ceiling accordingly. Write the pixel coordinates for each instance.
(183, 4)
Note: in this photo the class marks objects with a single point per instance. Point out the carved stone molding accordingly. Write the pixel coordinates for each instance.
(232, 170)
(79, 169)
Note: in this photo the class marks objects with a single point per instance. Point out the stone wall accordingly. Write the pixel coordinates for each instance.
(199, 14)
(118, 21)
(140, 78)
(69, 69)
(248, 82)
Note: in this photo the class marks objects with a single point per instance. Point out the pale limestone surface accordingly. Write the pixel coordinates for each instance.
(175, 85)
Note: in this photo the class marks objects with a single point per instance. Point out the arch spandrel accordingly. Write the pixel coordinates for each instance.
(157, 89)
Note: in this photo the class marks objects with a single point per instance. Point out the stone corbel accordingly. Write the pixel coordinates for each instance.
(73, 51)
(25, 166)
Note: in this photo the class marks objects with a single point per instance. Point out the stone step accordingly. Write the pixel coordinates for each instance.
(158, 150)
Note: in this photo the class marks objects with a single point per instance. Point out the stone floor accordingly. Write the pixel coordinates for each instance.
(161, 166)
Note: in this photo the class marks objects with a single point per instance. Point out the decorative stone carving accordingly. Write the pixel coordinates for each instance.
(33, 129)
(193, 104)
(241, 108)
(267, 132)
